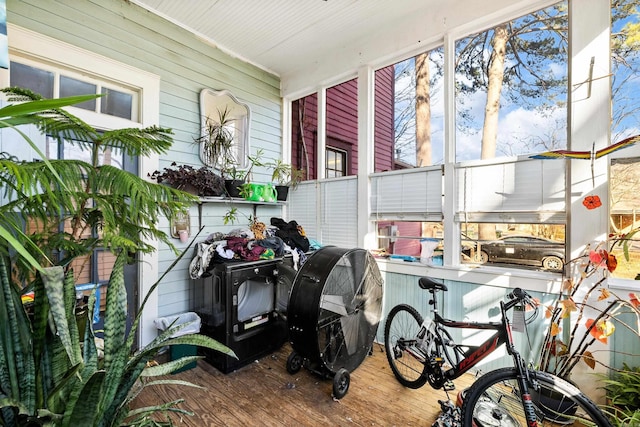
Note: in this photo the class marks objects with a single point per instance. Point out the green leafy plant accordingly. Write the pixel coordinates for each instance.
(285, 174)
(50, 371)
(78, 196)
(232, 171)
(623, 388)
(217, 140)
(52, 376)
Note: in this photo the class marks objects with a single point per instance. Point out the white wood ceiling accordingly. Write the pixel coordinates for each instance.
(310, 42)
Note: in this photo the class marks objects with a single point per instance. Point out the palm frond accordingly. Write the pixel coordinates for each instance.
(138, 142)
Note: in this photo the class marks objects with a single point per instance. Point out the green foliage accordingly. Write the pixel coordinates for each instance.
(77, 196)
(49, 374)
(623, 389)
(50, 370)
(285, 174)
(217, 141)
(204, 180)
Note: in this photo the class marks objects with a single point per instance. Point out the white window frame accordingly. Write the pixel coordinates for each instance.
(24, 43)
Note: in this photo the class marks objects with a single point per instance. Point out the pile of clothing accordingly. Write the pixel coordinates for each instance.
(251, 244)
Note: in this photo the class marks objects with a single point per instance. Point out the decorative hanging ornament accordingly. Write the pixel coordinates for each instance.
(592, 202)
(588, 155)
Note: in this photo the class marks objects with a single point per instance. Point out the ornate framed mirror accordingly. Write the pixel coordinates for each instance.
(224, 140)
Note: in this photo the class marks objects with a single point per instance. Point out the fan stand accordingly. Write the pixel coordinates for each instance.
(333, 314)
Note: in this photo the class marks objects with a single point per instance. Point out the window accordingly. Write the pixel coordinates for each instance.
(511, 87)
(336, 163)
(56, 69)
(624, 171)
(304, 134)
(414, 92)
(531, 246)
(57, 82)
(624, 187)
(64, 150)
(342, 129)
(411, 240)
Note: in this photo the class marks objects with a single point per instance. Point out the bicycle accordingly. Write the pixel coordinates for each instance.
(421, 350)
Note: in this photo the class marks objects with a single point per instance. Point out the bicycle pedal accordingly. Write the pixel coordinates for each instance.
(448, 385)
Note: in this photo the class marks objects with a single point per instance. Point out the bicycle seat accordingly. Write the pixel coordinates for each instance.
(429, 283)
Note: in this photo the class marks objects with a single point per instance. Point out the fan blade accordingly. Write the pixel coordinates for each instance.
(334, 304)
(351, 332)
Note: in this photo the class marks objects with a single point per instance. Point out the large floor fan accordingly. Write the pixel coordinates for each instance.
(333, 313)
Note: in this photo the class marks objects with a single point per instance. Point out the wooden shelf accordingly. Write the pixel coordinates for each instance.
(234, 201)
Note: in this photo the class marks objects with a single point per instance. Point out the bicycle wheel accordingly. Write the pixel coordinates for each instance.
(400, 330)
(556, 402)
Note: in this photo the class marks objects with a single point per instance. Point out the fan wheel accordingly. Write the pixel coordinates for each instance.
(341, 382)
(335, 307)
(294, 362)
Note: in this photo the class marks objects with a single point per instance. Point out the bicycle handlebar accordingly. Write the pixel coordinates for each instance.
(516, 296)
(519, 293)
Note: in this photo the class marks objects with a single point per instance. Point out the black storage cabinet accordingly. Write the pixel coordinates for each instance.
(238, 307)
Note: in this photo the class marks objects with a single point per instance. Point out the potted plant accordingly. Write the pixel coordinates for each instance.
(285, 176)
(203, 182)
(236, 178)
(216, 141)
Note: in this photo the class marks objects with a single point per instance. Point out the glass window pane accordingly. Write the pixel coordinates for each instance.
(116, 103)
(511, 87)
(73, 87)
(111, 156)
(35, 79)
(625, 67)
(411, 240)
(304, 125)
(527, 246)
(410, 104)
(338, 163)
(624, 185)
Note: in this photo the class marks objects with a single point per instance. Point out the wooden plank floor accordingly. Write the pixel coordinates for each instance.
(265, 394)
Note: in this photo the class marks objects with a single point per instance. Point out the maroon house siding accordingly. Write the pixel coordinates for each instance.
(342, 124)
(342, 121)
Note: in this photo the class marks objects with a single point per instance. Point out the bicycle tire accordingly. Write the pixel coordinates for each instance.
(403, 322)
(500, 388)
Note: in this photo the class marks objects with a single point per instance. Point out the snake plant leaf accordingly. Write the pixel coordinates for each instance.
(87, 410)
(17, 369)
(139, 416)
(169, 367)
(58, 396)
(54, 283)
(89, 349)
(15, 244)
(115, 318)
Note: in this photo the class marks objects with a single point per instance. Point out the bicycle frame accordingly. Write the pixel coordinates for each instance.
(475, 354)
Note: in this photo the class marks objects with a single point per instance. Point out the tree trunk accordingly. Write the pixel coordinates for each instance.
(494, 88)
(423, 111)
(492, 109)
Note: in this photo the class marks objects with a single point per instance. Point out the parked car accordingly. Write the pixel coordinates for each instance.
(526, 250)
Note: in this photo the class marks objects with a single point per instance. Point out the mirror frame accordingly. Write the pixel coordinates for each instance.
(211, 102)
